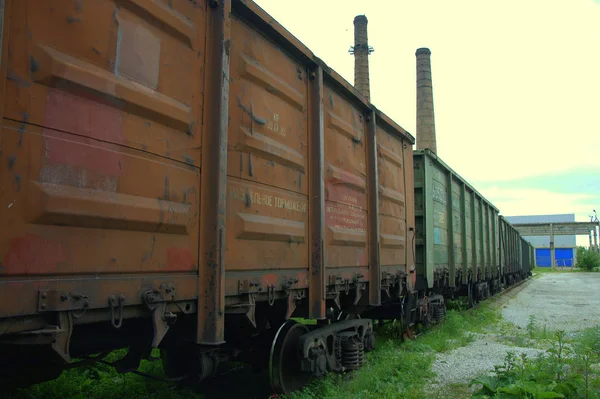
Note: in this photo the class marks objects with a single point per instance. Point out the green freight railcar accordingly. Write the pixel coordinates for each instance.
(457, 234)
(515, 256)
(528, 256)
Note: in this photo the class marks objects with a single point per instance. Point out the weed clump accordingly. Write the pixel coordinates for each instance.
(568, 369)
(587, 259)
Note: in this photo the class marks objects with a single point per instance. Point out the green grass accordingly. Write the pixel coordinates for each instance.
(547, 270)
(534, 335)
(304, 321)
(402, 369)
(565, 370)
(101, 381)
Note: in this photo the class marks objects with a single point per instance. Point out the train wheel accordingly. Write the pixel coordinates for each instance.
(285, 371)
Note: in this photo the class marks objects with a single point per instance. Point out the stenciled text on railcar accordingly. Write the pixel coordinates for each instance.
(254, 197)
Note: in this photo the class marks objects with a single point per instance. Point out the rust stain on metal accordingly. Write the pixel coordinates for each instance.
(32, 254)
(12, 76)
(11, 162)
(180, 259)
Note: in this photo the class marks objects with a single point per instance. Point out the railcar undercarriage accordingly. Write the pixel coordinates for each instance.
(291, 351)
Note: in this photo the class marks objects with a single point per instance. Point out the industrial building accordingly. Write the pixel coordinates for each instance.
(565, 245)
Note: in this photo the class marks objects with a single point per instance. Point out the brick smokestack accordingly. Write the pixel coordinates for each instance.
(425, 115)
(361, 56)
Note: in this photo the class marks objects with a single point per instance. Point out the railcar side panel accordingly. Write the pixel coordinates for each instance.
(471, 270)
(440, 217)
(345, 164)
(94, 101)
(392, 200)
(457, 226)
(267, 165)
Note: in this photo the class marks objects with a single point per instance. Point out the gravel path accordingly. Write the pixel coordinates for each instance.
(568, 301)
(562, 301)
(461, 365)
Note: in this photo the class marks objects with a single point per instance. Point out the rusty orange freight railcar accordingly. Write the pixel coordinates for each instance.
(187, 175)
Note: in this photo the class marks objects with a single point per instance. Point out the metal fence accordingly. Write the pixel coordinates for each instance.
(546, 261)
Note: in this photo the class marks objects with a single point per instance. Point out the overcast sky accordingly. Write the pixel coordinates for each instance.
(516, 87)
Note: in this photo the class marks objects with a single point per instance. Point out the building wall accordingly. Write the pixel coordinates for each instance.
(563, 244)
(544, 241)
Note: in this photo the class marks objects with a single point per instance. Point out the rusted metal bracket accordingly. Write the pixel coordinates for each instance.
(402, 283)
(156, 301)
(293, 296)
(337, 284)
(58, 336)
(114, 302)
(359, 287)
(248, 309)
(165, 293)
(59, 301)
(335, 296)
(387, 280)
(290, 283)
(251, 314)
(62, 339)
(248, 286)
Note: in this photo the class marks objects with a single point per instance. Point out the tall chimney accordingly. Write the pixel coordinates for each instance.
(361, 51)
(425, 116)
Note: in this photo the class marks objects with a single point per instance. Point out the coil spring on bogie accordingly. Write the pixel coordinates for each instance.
(353, 352)
(338, 349)
(438, 313)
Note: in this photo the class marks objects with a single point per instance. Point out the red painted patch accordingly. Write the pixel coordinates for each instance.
(33, 255)
(86, 117)
(345, 187)
(84, 154)
(269, 279)
(83, 116)
(180, 259)
(345, 217)
(336, 192)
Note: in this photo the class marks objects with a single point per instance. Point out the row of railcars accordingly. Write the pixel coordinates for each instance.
(463, 245)
(188, 176)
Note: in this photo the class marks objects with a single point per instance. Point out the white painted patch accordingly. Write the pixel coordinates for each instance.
(66, 175)
(63, 175)
(108, 184)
